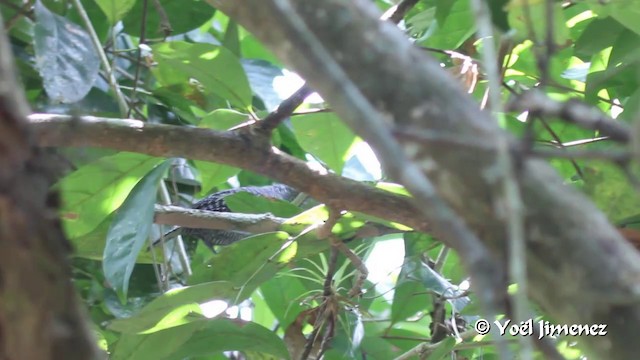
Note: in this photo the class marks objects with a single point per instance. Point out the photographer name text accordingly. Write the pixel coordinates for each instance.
(544, 328)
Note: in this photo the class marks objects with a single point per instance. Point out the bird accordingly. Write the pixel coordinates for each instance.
(216, 202)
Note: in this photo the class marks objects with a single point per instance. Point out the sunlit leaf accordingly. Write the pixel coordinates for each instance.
(174, 307)
(324, 136)
(216, 69)
(205, 337)
(115, 9)
(95, 190)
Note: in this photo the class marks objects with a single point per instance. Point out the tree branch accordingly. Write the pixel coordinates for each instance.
(40, 315)
(568, 240)
(284, 110)
(227, 148)
(201, 219)
(572, 111)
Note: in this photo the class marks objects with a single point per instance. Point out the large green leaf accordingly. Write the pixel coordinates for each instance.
(231, 39)
(216, 69)
(326, 137)
(525, 16)
(284, 294)
(597, 36)
(458, 26)
(91, 245)
(115, 9)
(65, 56)
(246, 263)
(261, 76)
(182, 15)
(175, 307)
(610, 190)
(200, 338)
(130, 229)
(213, 174)
(627, 12)
(442, 349)
(97, 189)
(243, 202)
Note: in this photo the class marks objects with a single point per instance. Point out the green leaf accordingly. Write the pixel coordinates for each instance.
(261, 76)
(610, 190)
(409, 298)
(458, 27)
(200, 338)
(245, 203)
(627, 12)
(262, 314)
(115, 9)
(597, 36)
(284, 294)
(377, 347)
(247, 263)
(442, 349)
(175, 307)
(231, 39)
(525, 15)
(97, 189)
(183, 16)
(324, 136)
(130, 229)
(214, 174)
(216, 69)
(185, 100)
(65, 56)
(254, 49)
(91, 245)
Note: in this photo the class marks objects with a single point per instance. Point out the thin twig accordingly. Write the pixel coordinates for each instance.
(617, 157)
(165, 24)
(113, 83)
(397, 12)
(20, 12)
(572, 111)
(310, 341)
(550, 44)
(442, 257)
(327, 295)
(143, 31)
(284, 110)
(182, 252)
(324, 232)
(363, 272)
(555, 136)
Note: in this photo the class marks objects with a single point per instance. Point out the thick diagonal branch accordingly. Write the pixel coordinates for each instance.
(568, 240)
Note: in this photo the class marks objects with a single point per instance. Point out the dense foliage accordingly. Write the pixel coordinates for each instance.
(182, 63)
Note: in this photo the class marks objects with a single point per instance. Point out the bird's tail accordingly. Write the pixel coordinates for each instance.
(177, 230)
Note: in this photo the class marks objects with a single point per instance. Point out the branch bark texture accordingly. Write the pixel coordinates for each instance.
(580, 269)
(40, 315)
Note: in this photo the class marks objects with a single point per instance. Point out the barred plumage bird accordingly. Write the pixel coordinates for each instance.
(216, 202)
